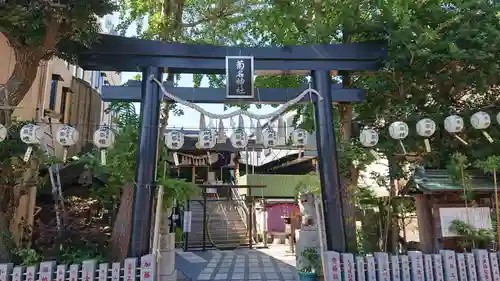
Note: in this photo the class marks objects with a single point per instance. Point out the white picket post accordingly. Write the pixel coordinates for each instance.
(130, 269)
(428, 266)
(495, 273)
(438, 267)
(148, 268)
(482, 265)
(360, 269)
(73, 272)
(88, 270)
(471, 266)
(61, 272)
(371, 272)
(449, 265)
(5, 271)
(103, 272)
(348, 268)
(462, 268)
(332, 263)
(31, 273)
(416, 265)
(382, 265)
(115, 271)
(405, 268)
(395, 269)
(17, 273)
(46, 272)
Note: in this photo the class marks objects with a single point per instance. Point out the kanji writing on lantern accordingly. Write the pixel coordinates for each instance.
(147, 275)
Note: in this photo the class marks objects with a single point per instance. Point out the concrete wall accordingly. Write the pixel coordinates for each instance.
(282, 186)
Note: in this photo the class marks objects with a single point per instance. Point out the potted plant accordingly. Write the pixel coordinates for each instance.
(309, 265)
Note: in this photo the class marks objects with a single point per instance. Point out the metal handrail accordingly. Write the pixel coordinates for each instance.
(241, 208)
(223, 208)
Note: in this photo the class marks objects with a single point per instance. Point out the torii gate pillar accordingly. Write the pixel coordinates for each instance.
(145, 172)
(328, 163)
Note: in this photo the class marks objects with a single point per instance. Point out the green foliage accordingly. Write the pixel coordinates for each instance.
(310, 184)
(311, 261)
(72, 24)
(490, 165)
(475, 238)
(457, 166)
(458, 174)
(27, 257)
(433, 70)
(121, 162)
(180, 190)
(76, 255)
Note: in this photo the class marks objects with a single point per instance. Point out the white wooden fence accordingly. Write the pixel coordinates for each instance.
(87, 271)
(479, 265)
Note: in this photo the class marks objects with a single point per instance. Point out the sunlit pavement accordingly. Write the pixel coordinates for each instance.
(273, 264)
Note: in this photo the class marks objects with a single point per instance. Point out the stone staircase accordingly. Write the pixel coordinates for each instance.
(226, 228)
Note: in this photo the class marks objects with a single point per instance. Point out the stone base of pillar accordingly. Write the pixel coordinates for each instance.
(166, 266)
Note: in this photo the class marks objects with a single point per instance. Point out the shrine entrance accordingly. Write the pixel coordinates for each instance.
(320, 62)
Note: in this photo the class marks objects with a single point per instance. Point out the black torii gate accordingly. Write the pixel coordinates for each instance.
(115, 53)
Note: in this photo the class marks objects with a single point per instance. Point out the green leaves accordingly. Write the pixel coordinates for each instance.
(489, 165)
(180, 190)
(309, 185)
(474, 238)
(68, 27)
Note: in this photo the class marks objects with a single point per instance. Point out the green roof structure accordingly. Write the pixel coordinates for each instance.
(432, 181)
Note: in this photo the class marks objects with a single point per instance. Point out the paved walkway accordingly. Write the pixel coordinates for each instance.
(273, 264)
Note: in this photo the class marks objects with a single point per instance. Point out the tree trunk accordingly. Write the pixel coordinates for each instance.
(28, 58)
(5, 253)
(394, 228)
(120, 237)
(22, 77)
(348, 186)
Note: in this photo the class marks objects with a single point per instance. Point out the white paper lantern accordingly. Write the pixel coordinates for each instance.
(498, 118)
(453, 124)
(368, 137)
(299, 137)
(29, 134)
(104, 138)
(67, 135)
(398, 130)
(174, 139)
(426, 127)
(269, 138)
(239, 139)
(480, 120)
(3, 132)
(206, 139)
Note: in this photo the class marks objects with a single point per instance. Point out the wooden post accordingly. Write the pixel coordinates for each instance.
(425, 223)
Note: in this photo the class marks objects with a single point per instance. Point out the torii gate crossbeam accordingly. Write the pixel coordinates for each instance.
(114, 53)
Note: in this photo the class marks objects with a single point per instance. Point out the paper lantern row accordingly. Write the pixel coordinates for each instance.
(427, 127)
(66, 136)
(208, 138)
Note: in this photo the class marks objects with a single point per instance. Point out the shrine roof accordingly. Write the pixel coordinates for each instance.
(438, 180)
